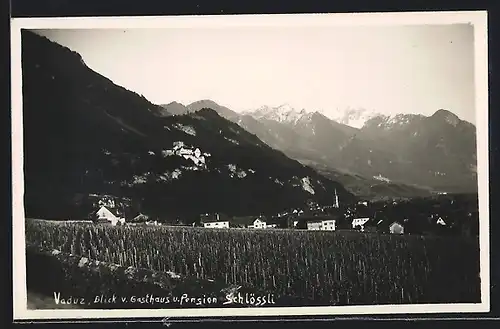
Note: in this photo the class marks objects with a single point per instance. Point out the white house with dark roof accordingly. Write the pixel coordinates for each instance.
(105, 215)
(258, 223)
(215, 222)
(140, 218)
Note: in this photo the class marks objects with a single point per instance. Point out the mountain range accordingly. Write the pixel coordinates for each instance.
(376, 155)
(83, 134)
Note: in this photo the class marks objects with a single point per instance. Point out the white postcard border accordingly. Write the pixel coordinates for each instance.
(477, 18)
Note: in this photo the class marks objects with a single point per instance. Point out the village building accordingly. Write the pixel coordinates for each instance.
(256, 222)
(321, 224)
(441, 221)
(336, 200)
(392, 227)
(316, 223)
(107, 216)
(335, 204)
(396, 228)
(197, 153)
(215, 221)
(107, 201)
(363, 203)
(360, 222)
(217, 224)
(283, 214)
(140, 218)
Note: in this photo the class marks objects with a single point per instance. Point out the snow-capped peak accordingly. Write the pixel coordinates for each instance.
(393, 120)
(282, 113)
(285, 108)
(354, 117)
(285, 113)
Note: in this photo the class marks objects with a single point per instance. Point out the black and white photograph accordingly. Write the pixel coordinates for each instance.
(250, 165)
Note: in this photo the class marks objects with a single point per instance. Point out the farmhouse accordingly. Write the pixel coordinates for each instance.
(218, 224)
(396, 228)
(360, 222)
(283, 213)
(215, 221)
(104, 215)
(316, 222)
(328, 225)
(314, 225)
(140, 218)
(440, 221)
(320, 223)
(257, 222)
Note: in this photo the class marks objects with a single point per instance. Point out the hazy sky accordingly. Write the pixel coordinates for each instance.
(412, 69)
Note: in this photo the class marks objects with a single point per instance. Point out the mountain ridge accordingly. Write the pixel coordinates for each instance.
(359, 116)
(394, 147)
(104, 139)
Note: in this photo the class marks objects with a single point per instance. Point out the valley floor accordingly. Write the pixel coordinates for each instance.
(328, 268)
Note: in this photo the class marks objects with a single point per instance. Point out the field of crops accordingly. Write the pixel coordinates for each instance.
(331, 268)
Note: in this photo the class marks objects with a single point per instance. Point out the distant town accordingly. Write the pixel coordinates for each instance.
(442, 214)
